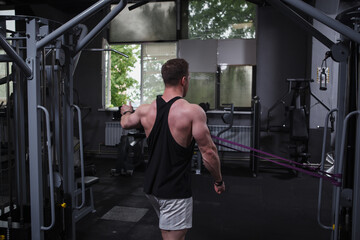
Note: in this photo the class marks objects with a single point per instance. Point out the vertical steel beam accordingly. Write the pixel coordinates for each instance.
(341, 105)
(68, 143)
(19, 96)
(36, 188)
(356, 193)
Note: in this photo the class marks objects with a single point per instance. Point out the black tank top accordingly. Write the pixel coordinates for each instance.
(168, 173)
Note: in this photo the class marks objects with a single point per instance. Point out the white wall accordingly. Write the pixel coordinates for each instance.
(205, 55)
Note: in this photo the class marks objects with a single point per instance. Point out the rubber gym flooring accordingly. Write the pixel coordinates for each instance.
(275, 205)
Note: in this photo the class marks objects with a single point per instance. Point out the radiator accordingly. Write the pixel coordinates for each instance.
(238, 134)
(113, 132)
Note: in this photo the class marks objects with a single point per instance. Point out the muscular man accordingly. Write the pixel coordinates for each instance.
(172, 125)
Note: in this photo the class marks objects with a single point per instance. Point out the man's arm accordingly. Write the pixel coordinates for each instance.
(129, 118)
(208, 150)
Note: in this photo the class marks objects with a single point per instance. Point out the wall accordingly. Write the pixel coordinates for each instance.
(282, 52)
(206, 55)
(88, 85)
(328, 97)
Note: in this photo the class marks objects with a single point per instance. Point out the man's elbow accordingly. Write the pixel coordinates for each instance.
(125, 125)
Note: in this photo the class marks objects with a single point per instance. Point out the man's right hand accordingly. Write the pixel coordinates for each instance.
(220, 189)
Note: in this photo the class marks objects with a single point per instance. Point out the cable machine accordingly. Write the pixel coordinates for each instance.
(346, 196)
(41, 120)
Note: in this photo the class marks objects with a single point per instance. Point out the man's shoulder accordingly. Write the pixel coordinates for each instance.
(190, 108)
(144, 108)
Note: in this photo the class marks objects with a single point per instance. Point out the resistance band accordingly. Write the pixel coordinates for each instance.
(335, 179)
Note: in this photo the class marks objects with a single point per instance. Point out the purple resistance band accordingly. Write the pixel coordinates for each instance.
(334, 179)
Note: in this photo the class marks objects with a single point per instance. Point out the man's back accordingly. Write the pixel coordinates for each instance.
(180, 119)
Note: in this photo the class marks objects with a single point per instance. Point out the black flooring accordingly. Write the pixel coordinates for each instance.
(274, 205)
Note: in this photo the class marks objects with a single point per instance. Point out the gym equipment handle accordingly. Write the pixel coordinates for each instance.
(322, 168)
(81, 158)
(51, 178)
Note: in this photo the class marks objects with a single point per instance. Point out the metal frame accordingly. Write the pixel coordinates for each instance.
(340, 53)
(34, 69)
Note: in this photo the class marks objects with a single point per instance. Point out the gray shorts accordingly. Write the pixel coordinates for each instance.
(174, 214)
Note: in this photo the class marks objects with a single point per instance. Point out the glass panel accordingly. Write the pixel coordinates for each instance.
(150, 22)
(221, 19)
(236, 85)
(3, 87)
(10, 25)
(202, 88)
(154, 55)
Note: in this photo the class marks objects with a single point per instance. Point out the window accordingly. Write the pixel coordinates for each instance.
(234, 84)
(202, 88)
(150, 22)
(154, 55)
(138, 77)
(215, 19)
(5, 68)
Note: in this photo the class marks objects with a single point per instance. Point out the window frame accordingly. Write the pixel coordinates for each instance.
(107, 76)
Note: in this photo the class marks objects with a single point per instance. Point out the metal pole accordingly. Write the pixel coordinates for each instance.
(81, 158)
(322, 17)
(356, 190)
(322, 169)
(256, 135)
(36, 187)
(100, 26)
(50, 161)
(342, 96)
(68, 117)
(341, 163)
(71, 23)
(302, 22)
(13, 55)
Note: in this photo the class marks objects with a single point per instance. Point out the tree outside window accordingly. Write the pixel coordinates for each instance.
(121, 81)
(221, 19)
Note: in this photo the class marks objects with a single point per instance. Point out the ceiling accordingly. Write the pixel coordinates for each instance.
(75, 6)
(70, 6)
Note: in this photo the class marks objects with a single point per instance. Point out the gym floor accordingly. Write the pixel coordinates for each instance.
(274, 205)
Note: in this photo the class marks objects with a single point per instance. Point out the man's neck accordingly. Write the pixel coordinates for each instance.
(171, 92)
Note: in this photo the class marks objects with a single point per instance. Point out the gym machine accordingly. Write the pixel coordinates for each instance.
(131, 153)
(297, 114)
(40, 195)
(345, 222)
(131, 150)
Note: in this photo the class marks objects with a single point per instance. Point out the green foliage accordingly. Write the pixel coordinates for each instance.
(120, 80)
(220, 19)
